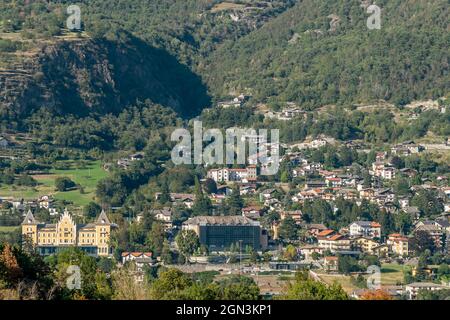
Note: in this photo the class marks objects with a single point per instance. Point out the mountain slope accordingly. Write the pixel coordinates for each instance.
(85, 76)
(313, 52)
(99, 76)
(299, 57)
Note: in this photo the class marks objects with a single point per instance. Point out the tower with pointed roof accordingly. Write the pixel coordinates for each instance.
(30, 227)
(103, 232)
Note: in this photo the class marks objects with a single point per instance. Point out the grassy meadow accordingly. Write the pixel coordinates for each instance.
(87, 176)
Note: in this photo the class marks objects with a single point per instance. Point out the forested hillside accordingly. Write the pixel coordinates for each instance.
(128, 51)
(184, 54)
(299, 57)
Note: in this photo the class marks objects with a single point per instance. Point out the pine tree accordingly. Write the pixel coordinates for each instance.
(165, 193)
(166, 254)
(235, 202)
(202, 205)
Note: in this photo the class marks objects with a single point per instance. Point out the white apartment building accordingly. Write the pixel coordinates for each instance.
(365, 229)
(233, 175)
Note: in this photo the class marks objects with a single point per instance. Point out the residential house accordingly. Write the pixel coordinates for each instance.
(236, 102)
(137, 156)
(381, 250)
(388, 173)
(365, 228)
(307, 195)
(404, 202)
(347, 194)
(367, 193)
(406, 149)
(333, 241)
(379, 169)
(398, 244)
(288, 114)
(434, 231)
(141, 260)
(364, 244)
(308, 251)
(380, 156)
(383, 195)
(413, 289)
(333, 182)
(296, 215)
(273, 204)
(302, 171)
(315, 228)
(267, 194)
(443, 224)
(46, 202)
(165, 216)
(186, 199)
(248, 189)
(233, 175)
(224, 190)
(252, 212)
(133, 256)
(126, 162)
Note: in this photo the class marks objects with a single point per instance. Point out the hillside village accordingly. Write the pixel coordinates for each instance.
(332, 222)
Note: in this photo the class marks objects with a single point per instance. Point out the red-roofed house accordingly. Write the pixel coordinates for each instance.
(333, 241)
(326, 233)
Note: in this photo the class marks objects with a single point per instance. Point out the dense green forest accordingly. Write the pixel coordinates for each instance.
(296, 57)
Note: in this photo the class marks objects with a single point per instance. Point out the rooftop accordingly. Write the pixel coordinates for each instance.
(367, 224)
(221, 220)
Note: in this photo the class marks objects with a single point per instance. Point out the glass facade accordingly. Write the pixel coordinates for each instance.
(50, 250)
(223, 236)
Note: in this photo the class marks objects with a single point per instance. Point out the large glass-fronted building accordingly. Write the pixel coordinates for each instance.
(221, 232)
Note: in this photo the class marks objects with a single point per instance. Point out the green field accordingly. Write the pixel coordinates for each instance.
(87, 177)
(391, 274)
(8, 229)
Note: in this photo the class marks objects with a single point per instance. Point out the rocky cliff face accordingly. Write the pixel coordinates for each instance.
(97, 77)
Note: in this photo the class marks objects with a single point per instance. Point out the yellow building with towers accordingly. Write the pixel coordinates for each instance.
(93, 238)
